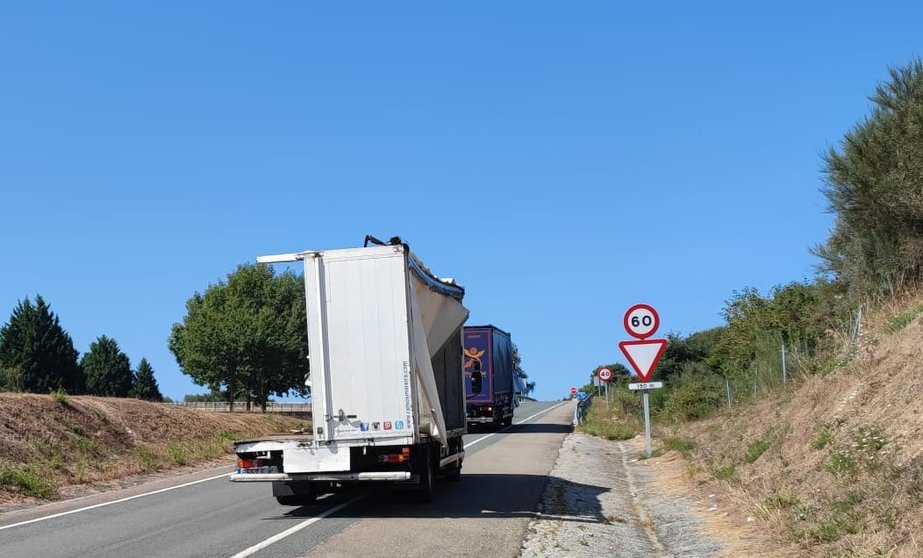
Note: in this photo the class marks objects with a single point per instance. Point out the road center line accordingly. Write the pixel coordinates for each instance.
(135, 497)
(469, 444)
(292, 530)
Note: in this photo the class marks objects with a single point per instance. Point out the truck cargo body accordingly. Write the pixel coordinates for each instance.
(489, 387)
(387, 380)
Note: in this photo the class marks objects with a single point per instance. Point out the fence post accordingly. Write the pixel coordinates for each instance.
(784, 368)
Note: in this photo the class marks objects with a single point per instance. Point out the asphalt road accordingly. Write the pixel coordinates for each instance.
(203, 515)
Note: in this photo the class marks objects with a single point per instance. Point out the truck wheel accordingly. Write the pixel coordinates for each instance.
(289, 500)
(297, 500)
(424, 491)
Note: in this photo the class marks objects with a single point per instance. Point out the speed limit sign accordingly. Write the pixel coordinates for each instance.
(604, 374)
(641, 321)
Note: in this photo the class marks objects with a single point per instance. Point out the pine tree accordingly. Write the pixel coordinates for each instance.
(145, 383)
(107, 368)
(36, 354)
(875, 189)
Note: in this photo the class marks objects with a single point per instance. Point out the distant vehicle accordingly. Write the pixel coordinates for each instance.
(387, 387)
(489, 384)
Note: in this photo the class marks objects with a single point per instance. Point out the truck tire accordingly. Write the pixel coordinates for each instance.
(294, 496)
(423, 492)
(290, 500)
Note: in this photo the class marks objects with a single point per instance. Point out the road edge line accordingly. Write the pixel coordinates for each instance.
(119, 501)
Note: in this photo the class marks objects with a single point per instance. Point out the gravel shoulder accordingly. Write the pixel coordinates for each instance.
(602, 499)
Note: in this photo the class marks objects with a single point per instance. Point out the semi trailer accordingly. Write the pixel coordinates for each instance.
(489, 384)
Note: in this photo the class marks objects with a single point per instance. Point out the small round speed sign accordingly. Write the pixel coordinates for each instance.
(604, 374)
(641, 321)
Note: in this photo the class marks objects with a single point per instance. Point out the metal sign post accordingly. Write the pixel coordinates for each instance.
(605, 375)
(647, 423)
(641, 322)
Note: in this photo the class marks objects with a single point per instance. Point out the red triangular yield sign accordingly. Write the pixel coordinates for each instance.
(643, 355)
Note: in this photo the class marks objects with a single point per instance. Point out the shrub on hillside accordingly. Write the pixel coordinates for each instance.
(694, 399)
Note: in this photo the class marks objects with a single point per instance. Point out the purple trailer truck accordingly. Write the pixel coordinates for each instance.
(489, 393)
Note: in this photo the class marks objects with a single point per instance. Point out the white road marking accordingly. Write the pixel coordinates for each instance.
(268, 541)
(136, 496)
(471, 443)
(292, 530)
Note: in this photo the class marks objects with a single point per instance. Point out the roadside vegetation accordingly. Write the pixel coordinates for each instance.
(803, 405)
(54, 443)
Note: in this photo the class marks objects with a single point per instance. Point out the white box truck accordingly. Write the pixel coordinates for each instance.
(386, 378)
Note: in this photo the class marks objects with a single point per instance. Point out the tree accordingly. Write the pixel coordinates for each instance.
(145, 384)
(246, 337)
(686, 354)
(36, 354)
(527, 386)
(875, 189)
(107, 368)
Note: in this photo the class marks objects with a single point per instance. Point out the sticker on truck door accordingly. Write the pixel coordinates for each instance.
(477, 366)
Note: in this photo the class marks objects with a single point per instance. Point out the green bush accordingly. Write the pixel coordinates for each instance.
(59, 396)
(28, 481)
(177, 453)
(901, 321)
(823, 438)
(755, 450)
(692, 400)
(725, 473)
(679, 444)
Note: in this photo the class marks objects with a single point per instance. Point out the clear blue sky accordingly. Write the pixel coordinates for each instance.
(561, 160)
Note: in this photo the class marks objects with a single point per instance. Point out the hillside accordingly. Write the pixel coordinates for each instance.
(834, 464)
(52, 446)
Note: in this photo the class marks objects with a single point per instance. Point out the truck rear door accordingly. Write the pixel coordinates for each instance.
(358, 334)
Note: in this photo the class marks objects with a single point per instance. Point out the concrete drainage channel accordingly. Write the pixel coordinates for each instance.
(598, 504)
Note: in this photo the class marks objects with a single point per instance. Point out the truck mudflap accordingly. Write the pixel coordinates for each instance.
(451, 459)
(389, 476)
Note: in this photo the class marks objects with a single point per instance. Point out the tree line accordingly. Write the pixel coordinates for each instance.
(873, 182)
(38, 356)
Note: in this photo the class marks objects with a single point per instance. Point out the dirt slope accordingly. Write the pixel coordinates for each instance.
(834, 465)
(50, 447)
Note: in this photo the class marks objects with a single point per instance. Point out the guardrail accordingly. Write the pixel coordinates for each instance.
(241, 407)
(582, 408)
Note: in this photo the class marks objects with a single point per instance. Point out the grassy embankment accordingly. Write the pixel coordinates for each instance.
(831, 463)
(54, 444)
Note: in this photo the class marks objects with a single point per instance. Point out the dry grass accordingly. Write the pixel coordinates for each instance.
(52, 443)
(835, 466)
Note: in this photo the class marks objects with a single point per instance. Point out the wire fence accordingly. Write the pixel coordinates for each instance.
(241, 407)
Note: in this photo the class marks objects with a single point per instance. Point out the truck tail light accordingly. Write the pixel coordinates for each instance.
(246, 463)
(393, 458)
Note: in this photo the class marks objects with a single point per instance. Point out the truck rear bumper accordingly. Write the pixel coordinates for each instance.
(390, 476)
